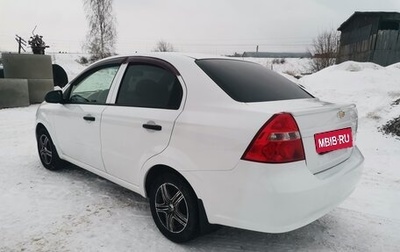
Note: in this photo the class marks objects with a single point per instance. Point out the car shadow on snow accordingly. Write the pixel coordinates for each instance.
(101, 186)
(319, 235)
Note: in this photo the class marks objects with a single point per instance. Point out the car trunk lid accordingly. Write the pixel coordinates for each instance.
(328, 130)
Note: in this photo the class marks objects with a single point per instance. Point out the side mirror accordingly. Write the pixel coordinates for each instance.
(55, 96)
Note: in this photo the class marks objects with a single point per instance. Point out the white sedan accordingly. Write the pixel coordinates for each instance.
(209, 140)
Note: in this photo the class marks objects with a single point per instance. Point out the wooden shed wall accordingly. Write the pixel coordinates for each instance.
(387, 49)
(361, 40)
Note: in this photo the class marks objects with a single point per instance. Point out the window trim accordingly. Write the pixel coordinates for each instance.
(154, 61)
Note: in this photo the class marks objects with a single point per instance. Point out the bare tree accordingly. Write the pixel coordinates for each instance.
(324, 49)
(163, 46)
(101, 36)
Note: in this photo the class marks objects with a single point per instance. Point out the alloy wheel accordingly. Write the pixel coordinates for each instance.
(171, 208)
(45, 149)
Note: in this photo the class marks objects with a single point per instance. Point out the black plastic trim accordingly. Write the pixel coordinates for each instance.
(204, 224)
(89, 118)
(152, 127)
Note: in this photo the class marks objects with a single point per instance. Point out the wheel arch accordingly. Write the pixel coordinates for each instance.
(157, 170)
(40, 126)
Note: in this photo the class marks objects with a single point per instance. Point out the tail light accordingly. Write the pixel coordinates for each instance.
(278, 141)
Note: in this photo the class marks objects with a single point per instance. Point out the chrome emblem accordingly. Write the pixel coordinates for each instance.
(341, 114)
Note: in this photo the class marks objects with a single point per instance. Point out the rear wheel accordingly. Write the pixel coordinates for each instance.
(47, 151)
(173, 205)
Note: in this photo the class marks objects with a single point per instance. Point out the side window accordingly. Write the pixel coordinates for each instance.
(151, 87)
(93, 88)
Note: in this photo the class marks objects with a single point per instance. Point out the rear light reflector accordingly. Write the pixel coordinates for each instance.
(278, 141)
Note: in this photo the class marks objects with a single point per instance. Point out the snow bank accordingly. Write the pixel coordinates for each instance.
(351, 66)
(394, 66)
(371, 87)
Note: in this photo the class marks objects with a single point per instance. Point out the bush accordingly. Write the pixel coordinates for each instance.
(163, 46)
(279, 61)
(83, 60)
(324, 50)
(392, 127)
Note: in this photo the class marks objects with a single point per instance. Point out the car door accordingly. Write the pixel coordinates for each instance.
(77, 123)
(139, 126)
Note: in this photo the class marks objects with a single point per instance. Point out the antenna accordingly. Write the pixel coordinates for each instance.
(33, 31)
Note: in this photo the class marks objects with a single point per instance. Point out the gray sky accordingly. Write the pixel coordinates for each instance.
(206, 26)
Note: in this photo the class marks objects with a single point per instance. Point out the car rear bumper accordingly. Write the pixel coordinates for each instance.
(274, 198)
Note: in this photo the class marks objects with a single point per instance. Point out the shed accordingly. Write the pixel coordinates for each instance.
(370, 37)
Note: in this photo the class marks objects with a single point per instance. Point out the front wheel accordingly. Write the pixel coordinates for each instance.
(173, 205)
(47, 151)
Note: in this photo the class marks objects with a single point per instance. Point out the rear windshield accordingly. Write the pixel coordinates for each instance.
(250, 82)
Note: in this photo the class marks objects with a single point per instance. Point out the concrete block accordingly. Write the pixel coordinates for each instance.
(27, 66)
(14, 93)
(38, 88)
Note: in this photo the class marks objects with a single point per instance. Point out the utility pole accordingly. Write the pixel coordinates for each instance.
(21, 43)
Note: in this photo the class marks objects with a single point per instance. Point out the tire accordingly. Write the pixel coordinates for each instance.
(174, 208)
(47, 151)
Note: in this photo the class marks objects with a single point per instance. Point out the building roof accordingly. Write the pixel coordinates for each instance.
(367, 13)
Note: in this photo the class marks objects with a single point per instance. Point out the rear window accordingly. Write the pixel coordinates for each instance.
(250, 82)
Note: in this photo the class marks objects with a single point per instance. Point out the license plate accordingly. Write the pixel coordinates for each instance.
(333, 140)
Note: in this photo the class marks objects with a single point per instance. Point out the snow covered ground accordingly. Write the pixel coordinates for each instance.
(74, 210)
(289, 66)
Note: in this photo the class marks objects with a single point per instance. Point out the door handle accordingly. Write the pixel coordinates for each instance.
(89, 118)
(152, 127)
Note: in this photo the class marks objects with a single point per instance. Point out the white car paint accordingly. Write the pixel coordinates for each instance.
(82, 143)
(126, 146)
(204, 140)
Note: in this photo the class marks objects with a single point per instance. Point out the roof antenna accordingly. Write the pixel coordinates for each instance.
(33, 32)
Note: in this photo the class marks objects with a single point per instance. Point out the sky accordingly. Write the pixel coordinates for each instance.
(203, 26)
